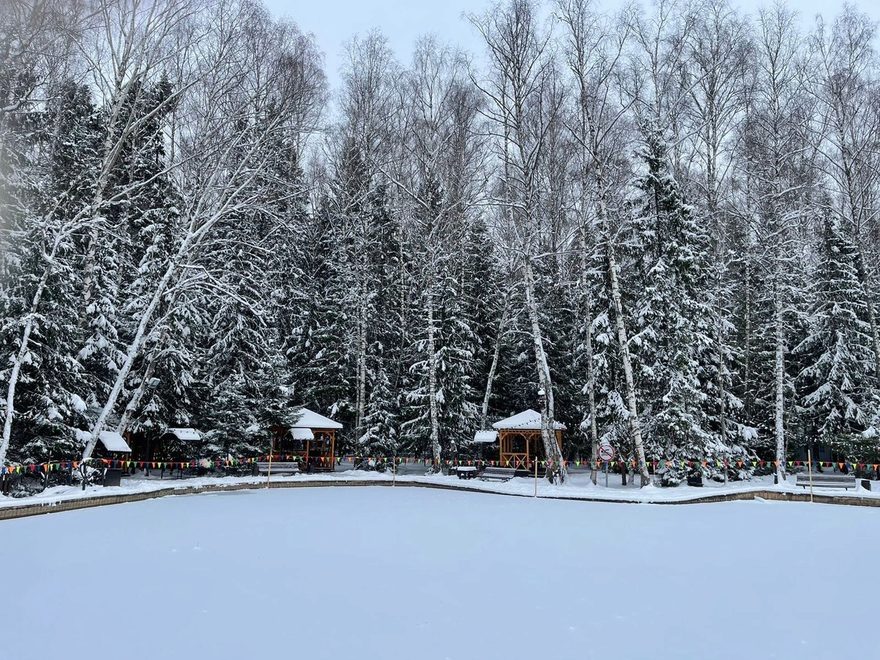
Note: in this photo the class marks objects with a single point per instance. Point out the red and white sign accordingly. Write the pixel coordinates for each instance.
(606, 452)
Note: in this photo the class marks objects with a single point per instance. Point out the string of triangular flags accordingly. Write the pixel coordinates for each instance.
(59, 466)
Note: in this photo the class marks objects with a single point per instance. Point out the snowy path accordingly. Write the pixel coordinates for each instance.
(376, 573)
(577, 487)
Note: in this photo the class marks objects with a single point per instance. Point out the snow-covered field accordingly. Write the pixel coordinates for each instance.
(413, 574)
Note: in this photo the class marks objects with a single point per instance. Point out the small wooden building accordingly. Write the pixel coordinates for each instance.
(519, 439)
(312, 438)
(112, 445)
(171, 444)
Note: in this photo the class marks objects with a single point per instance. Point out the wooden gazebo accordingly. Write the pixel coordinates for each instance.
(312, 438)
(519, 439)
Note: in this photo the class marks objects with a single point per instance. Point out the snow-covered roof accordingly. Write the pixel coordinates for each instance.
(113, 441)
(184, 434)
(302, 434)
(485, 436)
(309, 419)
(527, 420)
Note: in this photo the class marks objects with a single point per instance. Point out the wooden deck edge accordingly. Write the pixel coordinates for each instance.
(36, 509)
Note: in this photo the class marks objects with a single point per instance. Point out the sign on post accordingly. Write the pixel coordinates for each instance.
(606, 453)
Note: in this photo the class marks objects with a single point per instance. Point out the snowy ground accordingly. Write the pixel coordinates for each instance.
(412, 574)
(578, 486)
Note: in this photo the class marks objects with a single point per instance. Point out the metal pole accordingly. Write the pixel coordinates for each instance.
(810, 471)
(606, 474)
(536, 476)
(269, 471)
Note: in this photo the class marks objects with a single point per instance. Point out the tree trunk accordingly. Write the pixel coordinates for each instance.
(135, 401)
(496, 356)
(555, 465)
(779, 376)
(622, 339)
(432, 386)
(591, 384)
(20, 356)
(872, 318)
(132, 352)
(361, 369)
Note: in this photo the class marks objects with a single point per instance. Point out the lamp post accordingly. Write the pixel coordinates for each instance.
(542, 401)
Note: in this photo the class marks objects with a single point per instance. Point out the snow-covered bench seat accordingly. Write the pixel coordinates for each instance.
(497, 474)
(827, 480)
(465, 471)
(278, 467)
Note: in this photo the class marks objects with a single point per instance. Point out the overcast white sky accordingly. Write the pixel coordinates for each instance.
(333, 22)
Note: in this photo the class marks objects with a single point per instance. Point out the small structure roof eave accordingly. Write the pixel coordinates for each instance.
(527, 420)
(309, 419)
(184, 434)
(298, 433)
(486, 436)
(114, 442)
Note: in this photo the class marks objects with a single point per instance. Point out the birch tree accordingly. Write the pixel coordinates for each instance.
(522, 113)
(594, 52)
(133, 37)
(233, 114)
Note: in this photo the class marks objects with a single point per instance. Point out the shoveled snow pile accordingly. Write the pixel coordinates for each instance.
(413, 574)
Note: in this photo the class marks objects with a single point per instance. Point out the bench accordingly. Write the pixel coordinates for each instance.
(827, 481)
(465, 471)
(497, 474)
(278, 467)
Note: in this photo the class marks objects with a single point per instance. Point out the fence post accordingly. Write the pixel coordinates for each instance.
(536, 476)
(810, 471)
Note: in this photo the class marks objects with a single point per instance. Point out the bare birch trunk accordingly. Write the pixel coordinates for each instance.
(135, 401)
(18, 360)
(779, 377)
(132, 352)
(591, 383)
(432, 386)
(361, 370)
(623, 340)
(496, 356)
(555, 464)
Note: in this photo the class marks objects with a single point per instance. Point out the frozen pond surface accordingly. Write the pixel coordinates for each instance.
(413, 574)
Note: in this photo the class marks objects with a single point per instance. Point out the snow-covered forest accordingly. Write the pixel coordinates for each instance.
(665, 219)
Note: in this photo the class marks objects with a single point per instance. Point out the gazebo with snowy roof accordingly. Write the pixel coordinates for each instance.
(312, 438)
(519, 439)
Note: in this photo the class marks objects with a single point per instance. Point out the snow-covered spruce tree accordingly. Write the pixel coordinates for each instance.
(382, 241)
(486, 311)
(52, 160)
(837, 384)
(845, 62)
(321, 366)
(671, 339)
(442, 395)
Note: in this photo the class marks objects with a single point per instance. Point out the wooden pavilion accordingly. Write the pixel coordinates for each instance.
(312, 439)
(519, 439)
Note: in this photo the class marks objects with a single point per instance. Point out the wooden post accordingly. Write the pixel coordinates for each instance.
(810, 471)
(269, 471)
